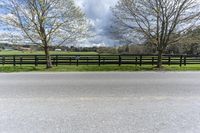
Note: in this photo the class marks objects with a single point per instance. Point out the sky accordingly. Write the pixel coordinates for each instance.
(99, 14)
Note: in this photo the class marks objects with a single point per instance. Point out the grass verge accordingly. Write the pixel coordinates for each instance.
(106, 68)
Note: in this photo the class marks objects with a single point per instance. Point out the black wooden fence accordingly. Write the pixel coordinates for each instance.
(99, 60)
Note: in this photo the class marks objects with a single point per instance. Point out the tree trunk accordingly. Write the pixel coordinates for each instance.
(48, 58)
(159, 65)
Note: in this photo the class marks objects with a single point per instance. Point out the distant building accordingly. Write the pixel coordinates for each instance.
(58, 49)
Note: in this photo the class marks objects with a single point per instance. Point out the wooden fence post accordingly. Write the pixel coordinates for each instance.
(3, 60)
(56, 60)
(36, 60)
(136, 61)
(14, 60)
(99, 60)
(77, 62)
(87, 61)
(140, 60)
(169, 60)
(181, 58)
(120, 60)
(153, 61)
(185, 60)
(70, 60)
(21, 58)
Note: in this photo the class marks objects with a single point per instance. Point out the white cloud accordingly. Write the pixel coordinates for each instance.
(99, 13)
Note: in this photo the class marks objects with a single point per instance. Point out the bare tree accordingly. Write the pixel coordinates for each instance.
(159, 21)
(46, 22)
(191, 36)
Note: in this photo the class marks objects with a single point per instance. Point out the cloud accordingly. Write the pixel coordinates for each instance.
(99, 14)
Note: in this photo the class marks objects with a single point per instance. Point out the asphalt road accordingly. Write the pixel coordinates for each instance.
(150, 102)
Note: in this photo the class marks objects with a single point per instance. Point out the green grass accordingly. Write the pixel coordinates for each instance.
(73, 68)
(15, 52)
(106, 68)
(183, 68)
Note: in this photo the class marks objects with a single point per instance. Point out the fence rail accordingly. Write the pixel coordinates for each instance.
(99, 59)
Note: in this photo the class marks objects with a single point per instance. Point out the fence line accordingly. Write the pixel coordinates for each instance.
(99, 59)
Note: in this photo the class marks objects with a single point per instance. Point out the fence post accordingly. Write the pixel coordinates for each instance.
(99, 59)
(169, 60)
(36, 60)
(152, 61)
(87, 61)
(21, 58)
(181, 58)
(140, 60)
(3, 60)
(136, 61)
(185, 60)
(14, 60)
(56, 60)
(77, 62)
(120, 60)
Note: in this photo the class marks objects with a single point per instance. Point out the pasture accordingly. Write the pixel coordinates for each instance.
(17, 61)
(15, 52)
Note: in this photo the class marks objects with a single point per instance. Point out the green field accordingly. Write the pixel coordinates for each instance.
(15, 52)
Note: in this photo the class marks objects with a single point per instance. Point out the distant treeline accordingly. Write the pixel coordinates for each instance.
(179, 48)
(189, 49)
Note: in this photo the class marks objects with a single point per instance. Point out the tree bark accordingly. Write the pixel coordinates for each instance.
(159, 64)
(48, 58)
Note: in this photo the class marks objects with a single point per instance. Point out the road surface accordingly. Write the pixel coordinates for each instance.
(149, 102)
